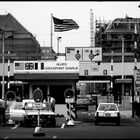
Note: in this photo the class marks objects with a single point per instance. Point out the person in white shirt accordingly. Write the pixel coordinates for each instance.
(51, 100)
(3, 106)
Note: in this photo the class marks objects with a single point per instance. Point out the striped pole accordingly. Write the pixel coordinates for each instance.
(8, 81)
(71, 111)
(111, 80)
(111, 74)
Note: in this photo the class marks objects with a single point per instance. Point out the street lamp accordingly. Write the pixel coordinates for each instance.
(4, 36)
(3, 42)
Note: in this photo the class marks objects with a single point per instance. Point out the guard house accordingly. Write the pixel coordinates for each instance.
(30, 66)
(52, 77)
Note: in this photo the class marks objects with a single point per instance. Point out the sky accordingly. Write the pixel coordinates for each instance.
(35, 16)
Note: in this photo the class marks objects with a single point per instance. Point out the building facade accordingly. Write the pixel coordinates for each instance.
(116, 40)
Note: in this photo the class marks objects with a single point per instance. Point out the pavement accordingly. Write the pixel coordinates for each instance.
(128, 114)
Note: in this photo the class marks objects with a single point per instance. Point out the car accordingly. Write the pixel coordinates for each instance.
(16, 112)
(46, 115)
(83, 103)
(107, 112)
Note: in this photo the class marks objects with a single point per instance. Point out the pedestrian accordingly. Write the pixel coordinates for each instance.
(51, 100)
(3, 106)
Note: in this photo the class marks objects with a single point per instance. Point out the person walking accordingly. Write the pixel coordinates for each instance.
(51, 100)
(3, 106)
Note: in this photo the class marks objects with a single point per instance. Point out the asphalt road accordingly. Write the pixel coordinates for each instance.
(84, 128)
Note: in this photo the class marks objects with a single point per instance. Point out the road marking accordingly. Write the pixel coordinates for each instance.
(54, 137)
(6, 137)
(15, 126)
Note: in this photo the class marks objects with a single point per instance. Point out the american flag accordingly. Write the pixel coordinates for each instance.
(61, 25)
(19, 66)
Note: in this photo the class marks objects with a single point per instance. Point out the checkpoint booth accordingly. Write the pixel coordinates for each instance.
(52, 77)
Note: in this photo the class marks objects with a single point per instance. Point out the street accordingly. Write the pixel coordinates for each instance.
(83, 129)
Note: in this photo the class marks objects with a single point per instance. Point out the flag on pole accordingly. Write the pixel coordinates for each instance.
(61, 25)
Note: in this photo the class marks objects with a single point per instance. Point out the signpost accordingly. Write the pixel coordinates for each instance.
(38, 98)
(69, 98)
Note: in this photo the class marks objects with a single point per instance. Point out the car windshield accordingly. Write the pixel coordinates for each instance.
(107, 107)
(34, 106)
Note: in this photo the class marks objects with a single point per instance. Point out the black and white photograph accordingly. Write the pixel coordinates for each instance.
(69, 69)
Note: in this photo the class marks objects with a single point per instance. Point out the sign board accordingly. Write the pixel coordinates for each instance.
(38, 95)
(69, 100)
(69, 93)
(38, 106)
(137, 76)
(92, 54)
(46, 67)
(74, 53)
(83, 53)
(137, 79)
(10, 95)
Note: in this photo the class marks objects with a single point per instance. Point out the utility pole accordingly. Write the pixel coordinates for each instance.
(4, 35)
(3, 50)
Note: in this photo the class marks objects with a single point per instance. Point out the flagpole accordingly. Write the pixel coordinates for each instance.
(51, 32)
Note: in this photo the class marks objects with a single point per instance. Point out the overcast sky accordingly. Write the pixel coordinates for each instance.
(36, 18)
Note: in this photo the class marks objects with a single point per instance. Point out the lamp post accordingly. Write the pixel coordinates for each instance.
(3, 81)
(4, 36)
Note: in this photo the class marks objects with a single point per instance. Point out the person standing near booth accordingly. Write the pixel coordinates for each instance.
(51, 100)
(3, 106)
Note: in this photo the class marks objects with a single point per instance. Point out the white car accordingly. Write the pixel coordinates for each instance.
(46, 115)
(107, 112)
(17, 114)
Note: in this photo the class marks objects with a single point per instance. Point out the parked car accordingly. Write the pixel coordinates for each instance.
(16, 112)
(46, 115)
(83, 103)
(107, 112)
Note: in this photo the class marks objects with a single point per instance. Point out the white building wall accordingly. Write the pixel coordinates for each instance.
(98, 71)
(93, 68)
